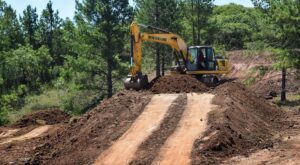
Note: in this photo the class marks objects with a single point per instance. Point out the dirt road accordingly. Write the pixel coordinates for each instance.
(123, 150)
(178, 146)
(193, 123)
(32, 134)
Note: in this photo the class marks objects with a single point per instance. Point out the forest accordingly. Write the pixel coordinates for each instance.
(74, 63)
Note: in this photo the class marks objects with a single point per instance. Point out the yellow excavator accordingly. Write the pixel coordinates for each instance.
(199, 61)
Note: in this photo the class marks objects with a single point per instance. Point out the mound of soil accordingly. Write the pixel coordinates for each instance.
(82, 141)
(267, 83)
(270, 84)
(177, 84)
(241, 124)
(49, 117)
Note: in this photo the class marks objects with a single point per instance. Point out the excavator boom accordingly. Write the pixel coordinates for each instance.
(167, 38)
(199, 61)
(136, 79)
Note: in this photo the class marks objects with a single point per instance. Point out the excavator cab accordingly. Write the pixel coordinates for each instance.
(205, 65)
(204, 61)
(203, 58)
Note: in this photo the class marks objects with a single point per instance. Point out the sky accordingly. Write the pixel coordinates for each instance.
(66, 8)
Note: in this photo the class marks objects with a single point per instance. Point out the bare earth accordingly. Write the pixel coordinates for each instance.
(287, 153)
(8, 133)
(32, 134)
(178, 147)
(123, 150)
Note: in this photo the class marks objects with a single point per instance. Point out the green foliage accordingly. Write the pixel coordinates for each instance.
(285, 58)
(250, 81)
(83, 73)
(7, 104)
(285, 15)
(30, 25)
(107, 23)
(24, 66)
(196, 17)
(10, 30)
(80, 101)
(165, 14)
(261, 70)
(47, 62)
(50, 33)
(292, 103)
(46, 100)
(233, 25)
(284, 30)
(9, 101)
(255, 74)
(51, 98)
(3, 116)
(256, 45)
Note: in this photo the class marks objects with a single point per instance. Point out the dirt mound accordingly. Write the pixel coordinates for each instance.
(86, 137)
(270, 84)
(177, 84)
(42, 117)
(241, 124)
(256, 71)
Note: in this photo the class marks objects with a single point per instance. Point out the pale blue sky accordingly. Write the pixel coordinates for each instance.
(66, 8)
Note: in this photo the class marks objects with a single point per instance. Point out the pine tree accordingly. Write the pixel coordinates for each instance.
(284, 15)
(11, 36)
(164, 14)
(109, 21)
(30, 25)
(198, 12)
(50, 32)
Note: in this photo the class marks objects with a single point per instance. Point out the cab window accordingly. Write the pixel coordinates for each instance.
(210, 54)
(193, 53)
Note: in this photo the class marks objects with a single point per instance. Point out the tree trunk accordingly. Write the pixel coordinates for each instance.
(283, 85)
(157, 15)
(157, 60)
(163, 62)
(198, 23)
(109, 77)
(198, 37)
(193, 24)
(109, 66)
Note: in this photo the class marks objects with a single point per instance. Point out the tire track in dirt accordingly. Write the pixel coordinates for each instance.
(123, 150)
(8, 133)
(149, 149)
(32, 134)
(178, 147)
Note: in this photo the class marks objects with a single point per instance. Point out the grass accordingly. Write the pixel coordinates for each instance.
(293, 102)
(252, 74)
(249, 81)
(48, 99)
(74, 102)
(78, 102)
(250, 53)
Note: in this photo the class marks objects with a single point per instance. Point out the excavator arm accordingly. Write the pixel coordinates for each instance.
(166, 38)
(137, 80)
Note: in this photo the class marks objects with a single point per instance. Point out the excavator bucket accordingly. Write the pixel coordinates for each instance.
(136, 82)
